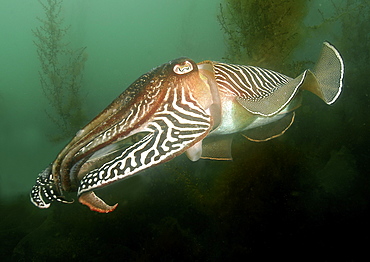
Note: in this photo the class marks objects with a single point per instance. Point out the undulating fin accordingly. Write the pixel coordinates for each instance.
(328, 73)
(95, 203)
(269, 131)
(217, 147)
(260, 91)
(266, 93)
(275, 101)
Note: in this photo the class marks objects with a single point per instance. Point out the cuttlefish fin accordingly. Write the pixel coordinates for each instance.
(217, 148)
(325, 80)
(276, 101)
(95, 203)
(271, 130)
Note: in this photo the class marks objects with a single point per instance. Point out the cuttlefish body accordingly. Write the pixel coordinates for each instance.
(181, 107)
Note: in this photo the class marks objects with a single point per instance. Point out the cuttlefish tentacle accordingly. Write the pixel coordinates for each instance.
(95, 203)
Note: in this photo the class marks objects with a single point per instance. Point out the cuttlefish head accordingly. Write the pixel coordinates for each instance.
(122, 132)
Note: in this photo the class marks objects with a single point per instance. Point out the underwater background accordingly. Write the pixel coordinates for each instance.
(302, 196)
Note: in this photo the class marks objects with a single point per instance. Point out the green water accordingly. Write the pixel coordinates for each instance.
(124, 39)
(304, 194)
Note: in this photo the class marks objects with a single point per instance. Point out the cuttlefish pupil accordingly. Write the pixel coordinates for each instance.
(184, 68)
(181, 107)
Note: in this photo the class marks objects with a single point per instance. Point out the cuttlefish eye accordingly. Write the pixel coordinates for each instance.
(183, 68)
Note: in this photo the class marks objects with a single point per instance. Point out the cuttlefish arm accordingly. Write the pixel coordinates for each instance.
(45, 190)
(167, 111)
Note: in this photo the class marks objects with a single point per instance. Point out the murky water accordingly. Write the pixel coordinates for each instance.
(302, 195)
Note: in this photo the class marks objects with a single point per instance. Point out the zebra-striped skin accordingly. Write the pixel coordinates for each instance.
(174, 127)
(181, 107)
(166, 108)
(249, 82)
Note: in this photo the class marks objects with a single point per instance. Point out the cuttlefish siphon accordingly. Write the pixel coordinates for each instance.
(181, 107)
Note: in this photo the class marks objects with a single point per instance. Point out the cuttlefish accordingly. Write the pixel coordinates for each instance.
(181, 107)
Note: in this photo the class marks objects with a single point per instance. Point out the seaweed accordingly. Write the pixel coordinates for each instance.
(61, 71)
(263, 33)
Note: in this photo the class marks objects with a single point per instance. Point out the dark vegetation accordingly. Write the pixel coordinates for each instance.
(264, 33)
